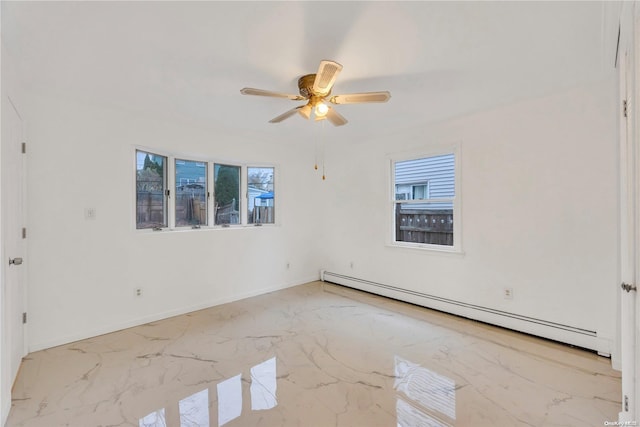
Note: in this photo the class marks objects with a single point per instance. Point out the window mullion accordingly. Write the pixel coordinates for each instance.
(244, 190)
(423, 201)
(210, 194)
(171, 186)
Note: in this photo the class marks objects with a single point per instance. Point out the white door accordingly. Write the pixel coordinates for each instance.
(13, 250)
(629, 268)
(635, 128)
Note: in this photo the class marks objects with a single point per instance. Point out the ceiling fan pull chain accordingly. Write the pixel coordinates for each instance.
(316, 143)
(323, 151)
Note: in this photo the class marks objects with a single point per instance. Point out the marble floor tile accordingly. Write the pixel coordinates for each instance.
(315, 355)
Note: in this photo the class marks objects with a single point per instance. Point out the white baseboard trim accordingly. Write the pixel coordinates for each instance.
(6, 407)
(546, 329)
(616, 363)
(161, 316)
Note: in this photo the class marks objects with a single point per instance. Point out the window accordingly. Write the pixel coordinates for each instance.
(260, 195)
(151, 186)
(191, 193)
(175, 192)
(226, 194)
(424, 206)
(420, 192)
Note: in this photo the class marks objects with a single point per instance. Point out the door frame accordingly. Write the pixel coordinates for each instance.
(629, 208)
(635, 136)
(628, 165)
(7, 352)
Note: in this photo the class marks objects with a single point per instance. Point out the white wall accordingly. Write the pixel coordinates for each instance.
(82, 273)
(539, 189)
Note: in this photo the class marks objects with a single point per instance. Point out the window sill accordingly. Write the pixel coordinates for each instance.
(435, 249)
(202, 228)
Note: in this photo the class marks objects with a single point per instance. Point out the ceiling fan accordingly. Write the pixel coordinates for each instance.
(316, 90)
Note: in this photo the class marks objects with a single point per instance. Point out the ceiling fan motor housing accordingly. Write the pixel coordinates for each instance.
(305, 85)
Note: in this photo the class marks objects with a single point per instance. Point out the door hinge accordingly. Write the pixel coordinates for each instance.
(167, 193)
(624, 108)
(24, 318)
(24, 232)
(626, 403)
(24, 148)
(627, 287)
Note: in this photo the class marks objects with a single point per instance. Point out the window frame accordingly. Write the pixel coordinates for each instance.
(170, 184)
(166, 186)
(186, 159)
(454, 149)
(276, 203)
(241, 223)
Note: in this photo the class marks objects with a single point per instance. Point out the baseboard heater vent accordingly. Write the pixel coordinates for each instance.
(543, 328)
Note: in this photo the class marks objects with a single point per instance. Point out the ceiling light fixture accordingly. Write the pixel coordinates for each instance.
(321, 109)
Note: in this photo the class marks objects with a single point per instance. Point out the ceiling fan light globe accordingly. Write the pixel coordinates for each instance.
(321, 109)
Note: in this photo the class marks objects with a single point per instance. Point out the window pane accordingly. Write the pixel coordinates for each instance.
(226, 194)
(151, 185)
(425, 178)
(261, 195)
(429, 223)
(424, 194)
(191, 193)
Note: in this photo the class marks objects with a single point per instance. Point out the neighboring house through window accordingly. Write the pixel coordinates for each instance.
(424, 206)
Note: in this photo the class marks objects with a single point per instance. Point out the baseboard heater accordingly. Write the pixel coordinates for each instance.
(543, 328)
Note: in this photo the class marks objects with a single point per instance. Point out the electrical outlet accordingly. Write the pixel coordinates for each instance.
(288, 265)
(507, 293)
(137, 292)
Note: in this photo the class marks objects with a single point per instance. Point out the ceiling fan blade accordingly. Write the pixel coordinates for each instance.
(262, 92)
(360, 98)
(325, 77)
(305, 111)
(335, 118)
(286, 115)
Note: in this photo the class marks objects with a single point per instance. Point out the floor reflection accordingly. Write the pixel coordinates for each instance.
(263, 385)
(154, 419)
(425, 398)
(194, 409)
(229, 399)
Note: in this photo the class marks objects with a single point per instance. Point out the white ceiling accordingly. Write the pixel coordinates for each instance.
(188, 60)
